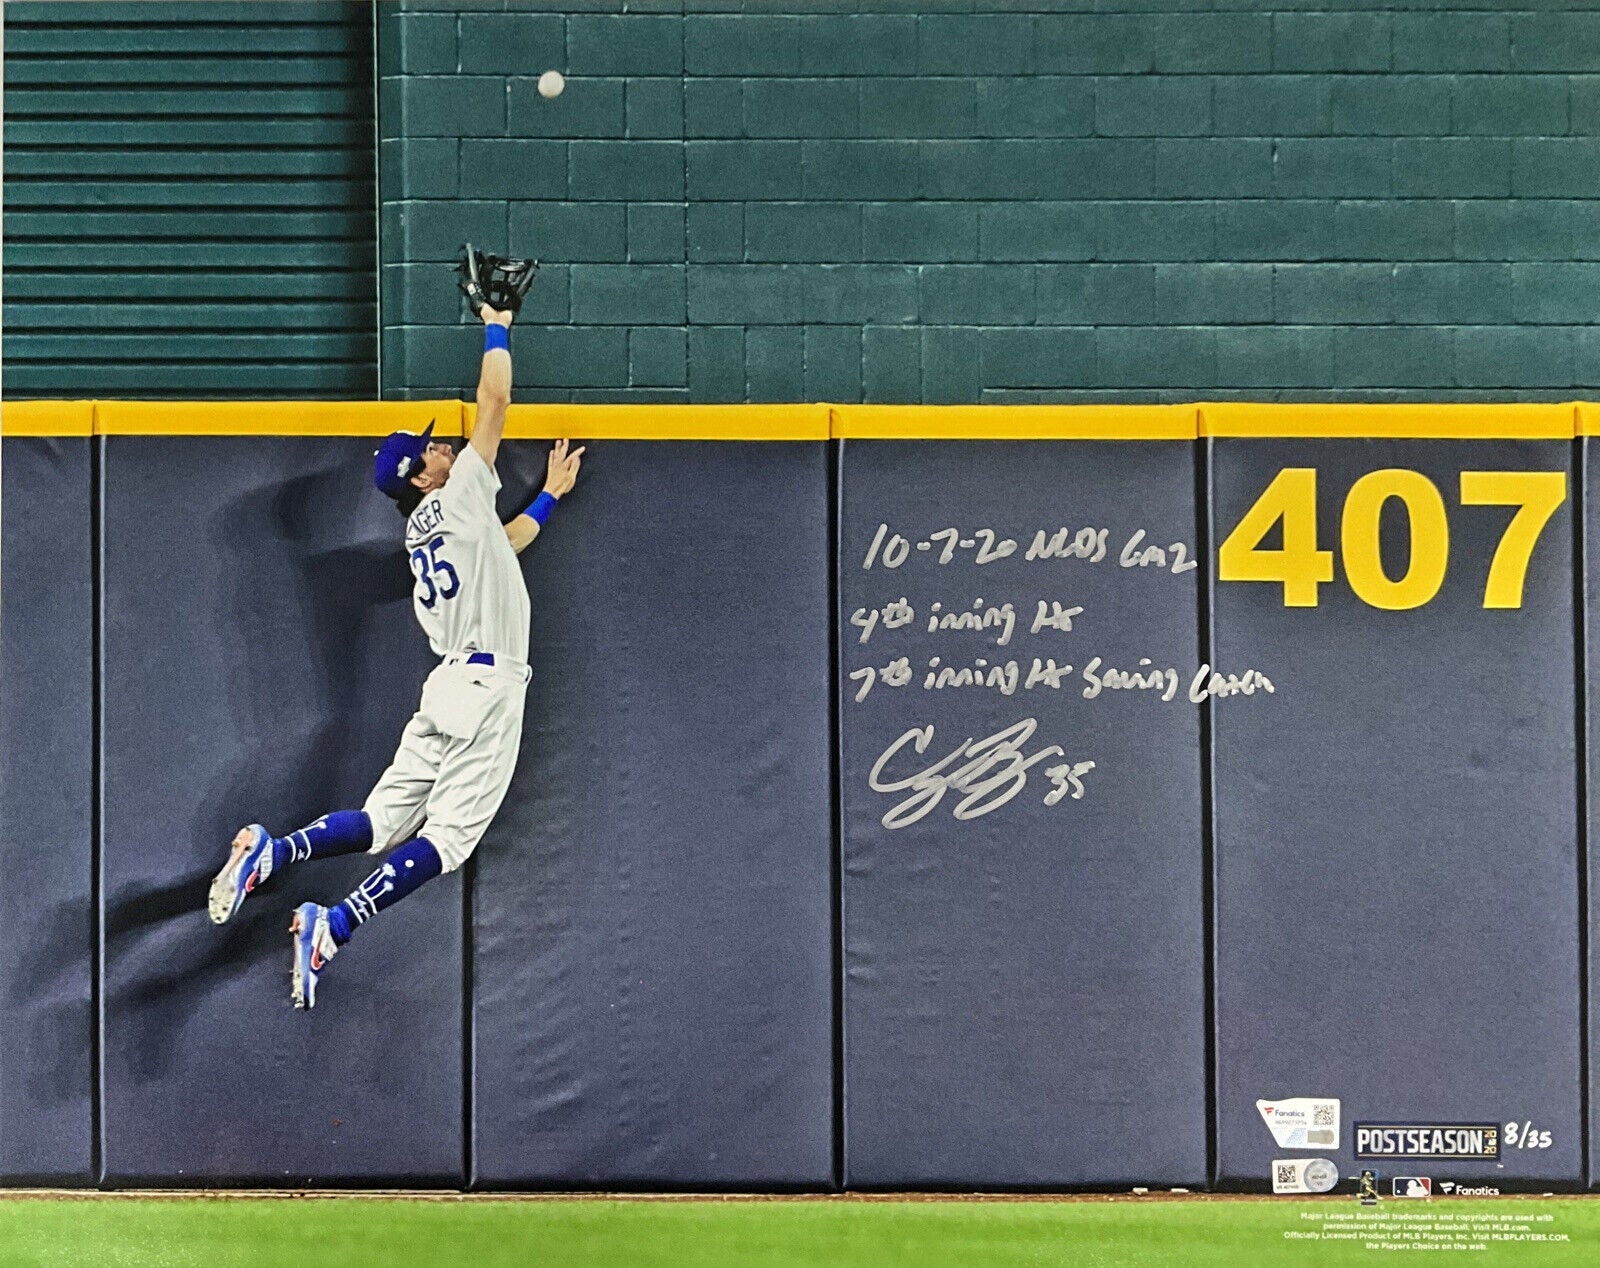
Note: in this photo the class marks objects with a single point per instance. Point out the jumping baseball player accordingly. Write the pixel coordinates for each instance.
(457, 753)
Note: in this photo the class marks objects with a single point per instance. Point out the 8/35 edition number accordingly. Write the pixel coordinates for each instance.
(1300, 567)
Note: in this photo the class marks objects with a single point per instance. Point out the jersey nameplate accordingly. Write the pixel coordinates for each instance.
(425, 519)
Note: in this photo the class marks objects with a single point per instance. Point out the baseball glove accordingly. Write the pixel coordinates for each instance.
(496, 280)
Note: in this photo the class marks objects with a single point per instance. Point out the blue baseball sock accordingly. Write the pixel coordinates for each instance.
(401, 872)
(342, 832)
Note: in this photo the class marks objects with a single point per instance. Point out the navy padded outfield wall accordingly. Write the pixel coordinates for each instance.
(1590, 460)
(260, 659)
(46, 860)
(1024, 954)
(653, 905)
(1395, 831)
(657, 970)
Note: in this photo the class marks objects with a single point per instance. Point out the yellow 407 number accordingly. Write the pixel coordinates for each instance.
(1300, 567)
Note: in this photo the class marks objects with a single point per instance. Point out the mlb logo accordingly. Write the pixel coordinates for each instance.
(1413, 1187)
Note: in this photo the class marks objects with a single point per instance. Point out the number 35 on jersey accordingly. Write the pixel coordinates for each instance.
(436, 579)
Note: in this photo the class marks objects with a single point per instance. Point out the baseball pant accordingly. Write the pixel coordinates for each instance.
(455, 760)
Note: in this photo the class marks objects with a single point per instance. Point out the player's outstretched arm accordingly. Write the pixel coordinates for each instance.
(494, 385)
(560, 475)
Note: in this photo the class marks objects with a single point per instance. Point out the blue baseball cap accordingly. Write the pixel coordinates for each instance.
(399, 458)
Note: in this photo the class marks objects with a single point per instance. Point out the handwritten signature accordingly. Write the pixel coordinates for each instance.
(993, 772)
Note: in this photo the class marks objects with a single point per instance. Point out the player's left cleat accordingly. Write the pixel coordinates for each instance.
(248, 865)
(313, 948)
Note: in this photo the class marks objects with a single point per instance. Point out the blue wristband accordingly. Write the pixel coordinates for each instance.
(496, 336)
(540, 509)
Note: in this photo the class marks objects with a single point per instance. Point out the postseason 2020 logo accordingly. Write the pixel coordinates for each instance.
(1428, 1140)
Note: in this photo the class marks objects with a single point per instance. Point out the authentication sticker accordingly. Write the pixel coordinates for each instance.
(1302, 1122)
(1303, 1175)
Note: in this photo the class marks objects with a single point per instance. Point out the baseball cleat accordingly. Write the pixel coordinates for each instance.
(313, 948)
(248, 865)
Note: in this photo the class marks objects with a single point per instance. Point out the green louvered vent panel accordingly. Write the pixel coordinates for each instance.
(189, 201)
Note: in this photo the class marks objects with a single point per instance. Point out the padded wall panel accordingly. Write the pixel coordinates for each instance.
(1396, 835)
(46, 917)
(1024, 988)
(1590, 469)
(260, 659)
(652, 921)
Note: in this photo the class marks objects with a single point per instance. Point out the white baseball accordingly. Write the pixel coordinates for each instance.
(551, 83)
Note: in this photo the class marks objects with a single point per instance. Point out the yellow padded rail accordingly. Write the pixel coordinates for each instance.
(661, 422)
(1014, 422)
(808, 422)
(1588, 418)
(273, 418)
(47, 418)
(1510, 421)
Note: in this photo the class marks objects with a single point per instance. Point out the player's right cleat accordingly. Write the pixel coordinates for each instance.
(247, 867)
(313, 948)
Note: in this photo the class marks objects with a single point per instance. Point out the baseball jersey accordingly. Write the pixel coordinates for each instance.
(469, 595)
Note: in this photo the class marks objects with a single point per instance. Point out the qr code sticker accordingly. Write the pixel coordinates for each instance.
(1287, 1173)
(1322, 1116)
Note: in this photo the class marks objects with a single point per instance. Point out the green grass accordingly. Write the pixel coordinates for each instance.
(707, 1233)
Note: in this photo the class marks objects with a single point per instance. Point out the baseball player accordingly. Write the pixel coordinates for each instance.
(431, 807)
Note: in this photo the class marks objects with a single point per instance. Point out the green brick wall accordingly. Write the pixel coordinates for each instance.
(1000, 200)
